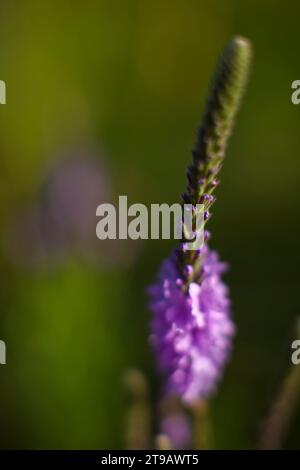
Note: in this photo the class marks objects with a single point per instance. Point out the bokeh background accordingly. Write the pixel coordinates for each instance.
(103, 99)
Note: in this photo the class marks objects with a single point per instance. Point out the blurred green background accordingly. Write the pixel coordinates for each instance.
(129, 80)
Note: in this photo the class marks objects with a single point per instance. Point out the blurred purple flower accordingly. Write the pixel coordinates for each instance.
(70, 196)
(62, 221)
(177, 428)
(191, 331)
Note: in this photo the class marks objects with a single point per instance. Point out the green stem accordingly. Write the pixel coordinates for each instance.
(276, 426)
(202, 426)
(138, 419)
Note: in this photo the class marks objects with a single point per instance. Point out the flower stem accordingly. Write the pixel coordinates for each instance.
(276, 426)
(138, 420)
(202, 426)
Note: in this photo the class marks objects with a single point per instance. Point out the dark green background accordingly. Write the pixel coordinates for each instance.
(131, 77)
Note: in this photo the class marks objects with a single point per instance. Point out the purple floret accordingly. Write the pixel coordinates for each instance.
(191, 332)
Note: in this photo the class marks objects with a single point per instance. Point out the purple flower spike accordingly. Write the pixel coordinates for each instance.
(191, 328)
(191, 333)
